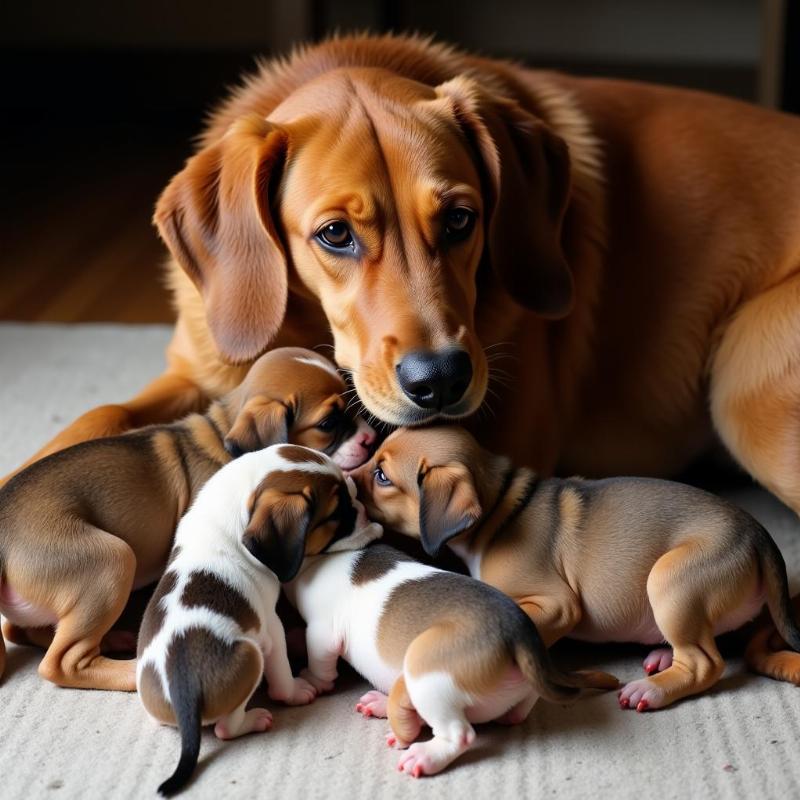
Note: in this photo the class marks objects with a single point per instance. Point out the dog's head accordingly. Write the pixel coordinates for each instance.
(424, 482)
(305, 507)
(296, 395)
(391, 202)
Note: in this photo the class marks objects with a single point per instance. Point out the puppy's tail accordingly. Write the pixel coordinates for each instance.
(549, 682)
(766, 653)
(186, 696)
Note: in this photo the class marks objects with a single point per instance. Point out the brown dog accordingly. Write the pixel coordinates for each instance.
(81, 528)
(621, 559)
(633, 249)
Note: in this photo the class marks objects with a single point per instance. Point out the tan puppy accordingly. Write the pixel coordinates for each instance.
(621, 559)
(81, 528)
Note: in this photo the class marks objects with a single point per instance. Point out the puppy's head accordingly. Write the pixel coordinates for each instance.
(296, 395)
(389, 201)
(421, 482)
(306, 508)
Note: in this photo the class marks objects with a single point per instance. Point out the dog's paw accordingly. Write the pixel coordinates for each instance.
(397, 744)
(642, 695)
(428, 758)
(256, 720)
(658, 660)
(320, 684)
(372, 704)
(302, 694)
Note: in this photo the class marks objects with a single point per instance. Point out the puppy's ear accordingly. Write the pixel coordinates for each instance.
(527, 174)
(216, 219)
(261, 422)
(277, 531)
(448, 504)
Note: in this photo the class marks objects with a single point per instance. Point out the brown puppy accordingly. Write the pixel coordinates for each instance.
(621, 559)
(81, 528)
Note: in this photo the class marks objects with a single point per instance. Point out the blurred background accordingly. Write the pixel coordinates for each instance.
(101, 101)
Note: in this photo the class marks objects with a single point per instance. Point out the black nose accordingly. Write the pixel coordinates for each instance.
(435, 379)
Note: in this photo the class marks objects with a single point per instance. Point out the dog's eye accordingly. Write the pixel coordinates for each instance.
(328, 423)
(458, 224)
(337, 235)
(380, 478)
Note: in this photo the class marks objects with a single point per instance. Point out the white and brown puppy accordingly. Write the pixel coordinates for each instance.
(449, 650)
(615, 560)
(210, 630)
(81, 528)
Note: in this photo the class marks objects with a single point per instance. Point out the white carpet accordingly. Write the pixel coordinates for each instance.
(741, 740)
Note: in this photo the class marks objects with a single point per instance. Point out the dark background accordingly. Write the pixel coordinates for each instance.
(101, 101)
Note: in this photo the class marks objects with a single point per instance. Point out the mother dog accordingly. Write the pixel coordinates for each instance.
(636, 249)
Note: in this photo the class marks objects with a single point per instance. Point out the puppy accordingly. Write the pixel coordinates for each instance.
(210, 630)
(447, 649)
(81, 528)
(623, 559)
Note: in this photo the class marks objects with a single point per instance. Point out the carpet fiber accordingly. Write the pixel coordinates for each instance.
(740, 740)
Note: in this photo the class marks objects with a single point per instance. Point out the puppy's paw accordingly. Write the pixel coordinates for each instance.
(302, 694)
(256, 720)
(397, 744)
(320, 684)
(372, 704)
(642, 695)
(658, 660)
(428, 758)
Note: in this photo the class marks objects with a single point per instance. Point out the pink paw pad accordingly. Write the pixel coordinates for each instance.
(642, 695)
(658, 660)
(373, 704)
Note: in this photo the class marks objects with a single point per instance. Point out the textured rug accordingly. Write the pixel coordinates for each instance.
(740, 740)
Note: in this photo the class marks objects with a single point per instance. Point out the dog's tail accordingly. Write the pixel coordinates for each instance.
(765, 653)
(186, 697)
(549, 682)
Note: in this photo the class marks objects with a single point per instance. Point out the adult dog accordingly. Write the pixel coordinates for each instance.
(635, 249)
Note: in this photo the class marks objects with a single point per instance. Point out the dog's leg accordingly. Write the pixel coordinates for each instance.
(755, 405)
(443, 706)
(73, 658)
(166, 399)
(403, 718)
(755, 389)
(554, 612)
(681, 589)
(240, 722)
(323, 656)
(281, 684)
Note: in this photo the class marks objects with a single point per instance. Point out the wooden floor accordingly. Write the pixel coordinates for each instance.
(77, 244)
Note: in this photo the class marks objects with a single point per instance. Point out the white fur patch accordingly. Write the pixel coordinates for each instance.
(322, 364)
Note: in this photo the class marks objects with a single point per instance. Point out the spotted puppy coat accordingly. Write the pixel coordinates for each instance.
(449, 650)
(210, 631)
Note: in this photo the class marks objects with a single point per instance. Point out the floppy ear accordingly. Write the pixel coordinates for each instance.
(261, 422)
(526, 169)
(276, 533)
(448, 505)
(215, 218)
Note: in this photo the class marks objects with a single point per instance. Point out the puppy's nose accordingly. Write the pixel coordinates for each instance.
(435, 379)
(365, 434)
